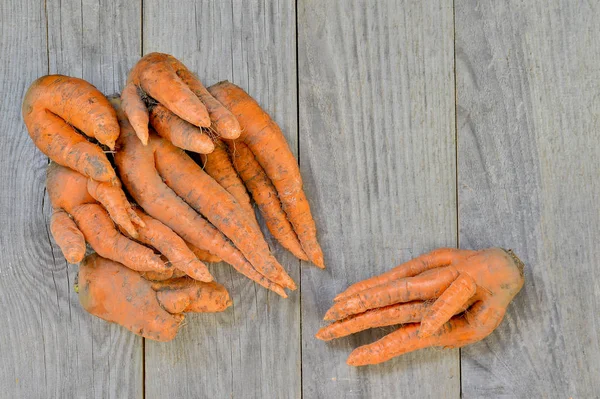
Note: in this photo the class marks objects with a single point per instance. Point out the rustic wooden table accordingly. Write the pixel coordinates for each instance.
(417, 124)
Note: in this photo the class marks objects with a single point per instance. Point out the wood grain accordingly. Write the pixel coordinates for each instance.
(50, 346)
(377, 155)
(528, 88)
(253, 349)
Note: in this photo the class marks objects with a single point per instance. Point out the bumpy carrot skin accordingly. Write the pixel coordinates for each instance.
(266, 141)
(54, 104)
(484, 284)
(117, 294)
(218, 165)
(165, 240)
(266, 198)
(138, 171)
(67, 236)
(179, 132)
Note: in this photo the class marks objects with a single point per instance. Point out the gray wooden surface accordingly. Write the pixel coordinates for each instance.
(417, 124)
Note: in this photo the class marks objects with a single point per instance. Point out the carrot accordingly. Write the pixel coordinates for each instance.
(471, 290)
(218, 165)
(154, 75)
(67, 236)
(211, 200)
(137, 168)
(203, 255)
(153, 310)
(159, 236)
(222, 120)
(422, 287)
(186, 295)
(264, 138)
(181, 133)
(265, 195)
(53, 106)
(68, 192)
(119, 295)
(447, 304)
(381, 317)
(134, 106)
(439, 257)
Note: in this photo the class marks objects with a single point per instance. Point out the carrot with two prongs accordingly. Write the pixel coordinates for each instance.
(54, 106)
(266, 141)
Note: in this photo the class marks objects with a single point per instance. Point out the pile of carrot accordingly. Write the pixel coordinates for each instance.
(161, 180)
(164, 178)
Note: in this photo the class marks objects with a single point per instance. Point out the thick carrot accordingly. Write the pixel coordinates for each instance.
(137, 168)
(425, 286)
(53, 105)
(118, 294)
(67, 236)
(207, 197)
(265, 195)
(222, 121)
(154, 75)
(267, 143)
(159, 236)
(218, 165)
(181, 133)
(447, 304)
(439, 257)
(186, 295)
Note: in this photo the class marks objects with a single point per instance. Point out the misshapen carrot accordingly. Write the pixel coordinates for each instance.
(266, 141)
(138, 170)
(67, 236)
(179, 132)
(53, 105)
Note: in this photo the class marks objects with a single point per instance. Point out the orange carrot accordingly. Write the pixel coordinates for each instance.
(218, 165)
(137, 168)
(159, 236)
(264, 194)
(153, 310)
(55, 104)
(181, 133)
(67, 236)
(264, 138)
(447, 304)
(203, 255)
(422, 287)
(134, 107)
(439, 257)
(211, 200)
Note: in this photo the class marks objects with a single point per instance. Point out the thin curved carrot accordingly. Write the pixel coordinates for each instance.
(185, 295)
(267, 143)
(266, 198)
(135, 108)
(218, 165)
(203, 255)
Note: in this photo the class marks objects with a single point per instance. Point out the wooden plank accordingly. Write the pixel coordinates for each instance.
(377, 155)
(528, 83)
(253, 349)
(50, 346)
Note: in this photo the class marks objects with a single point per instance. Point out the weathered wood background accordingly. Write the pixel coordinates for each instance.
(417, 124)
